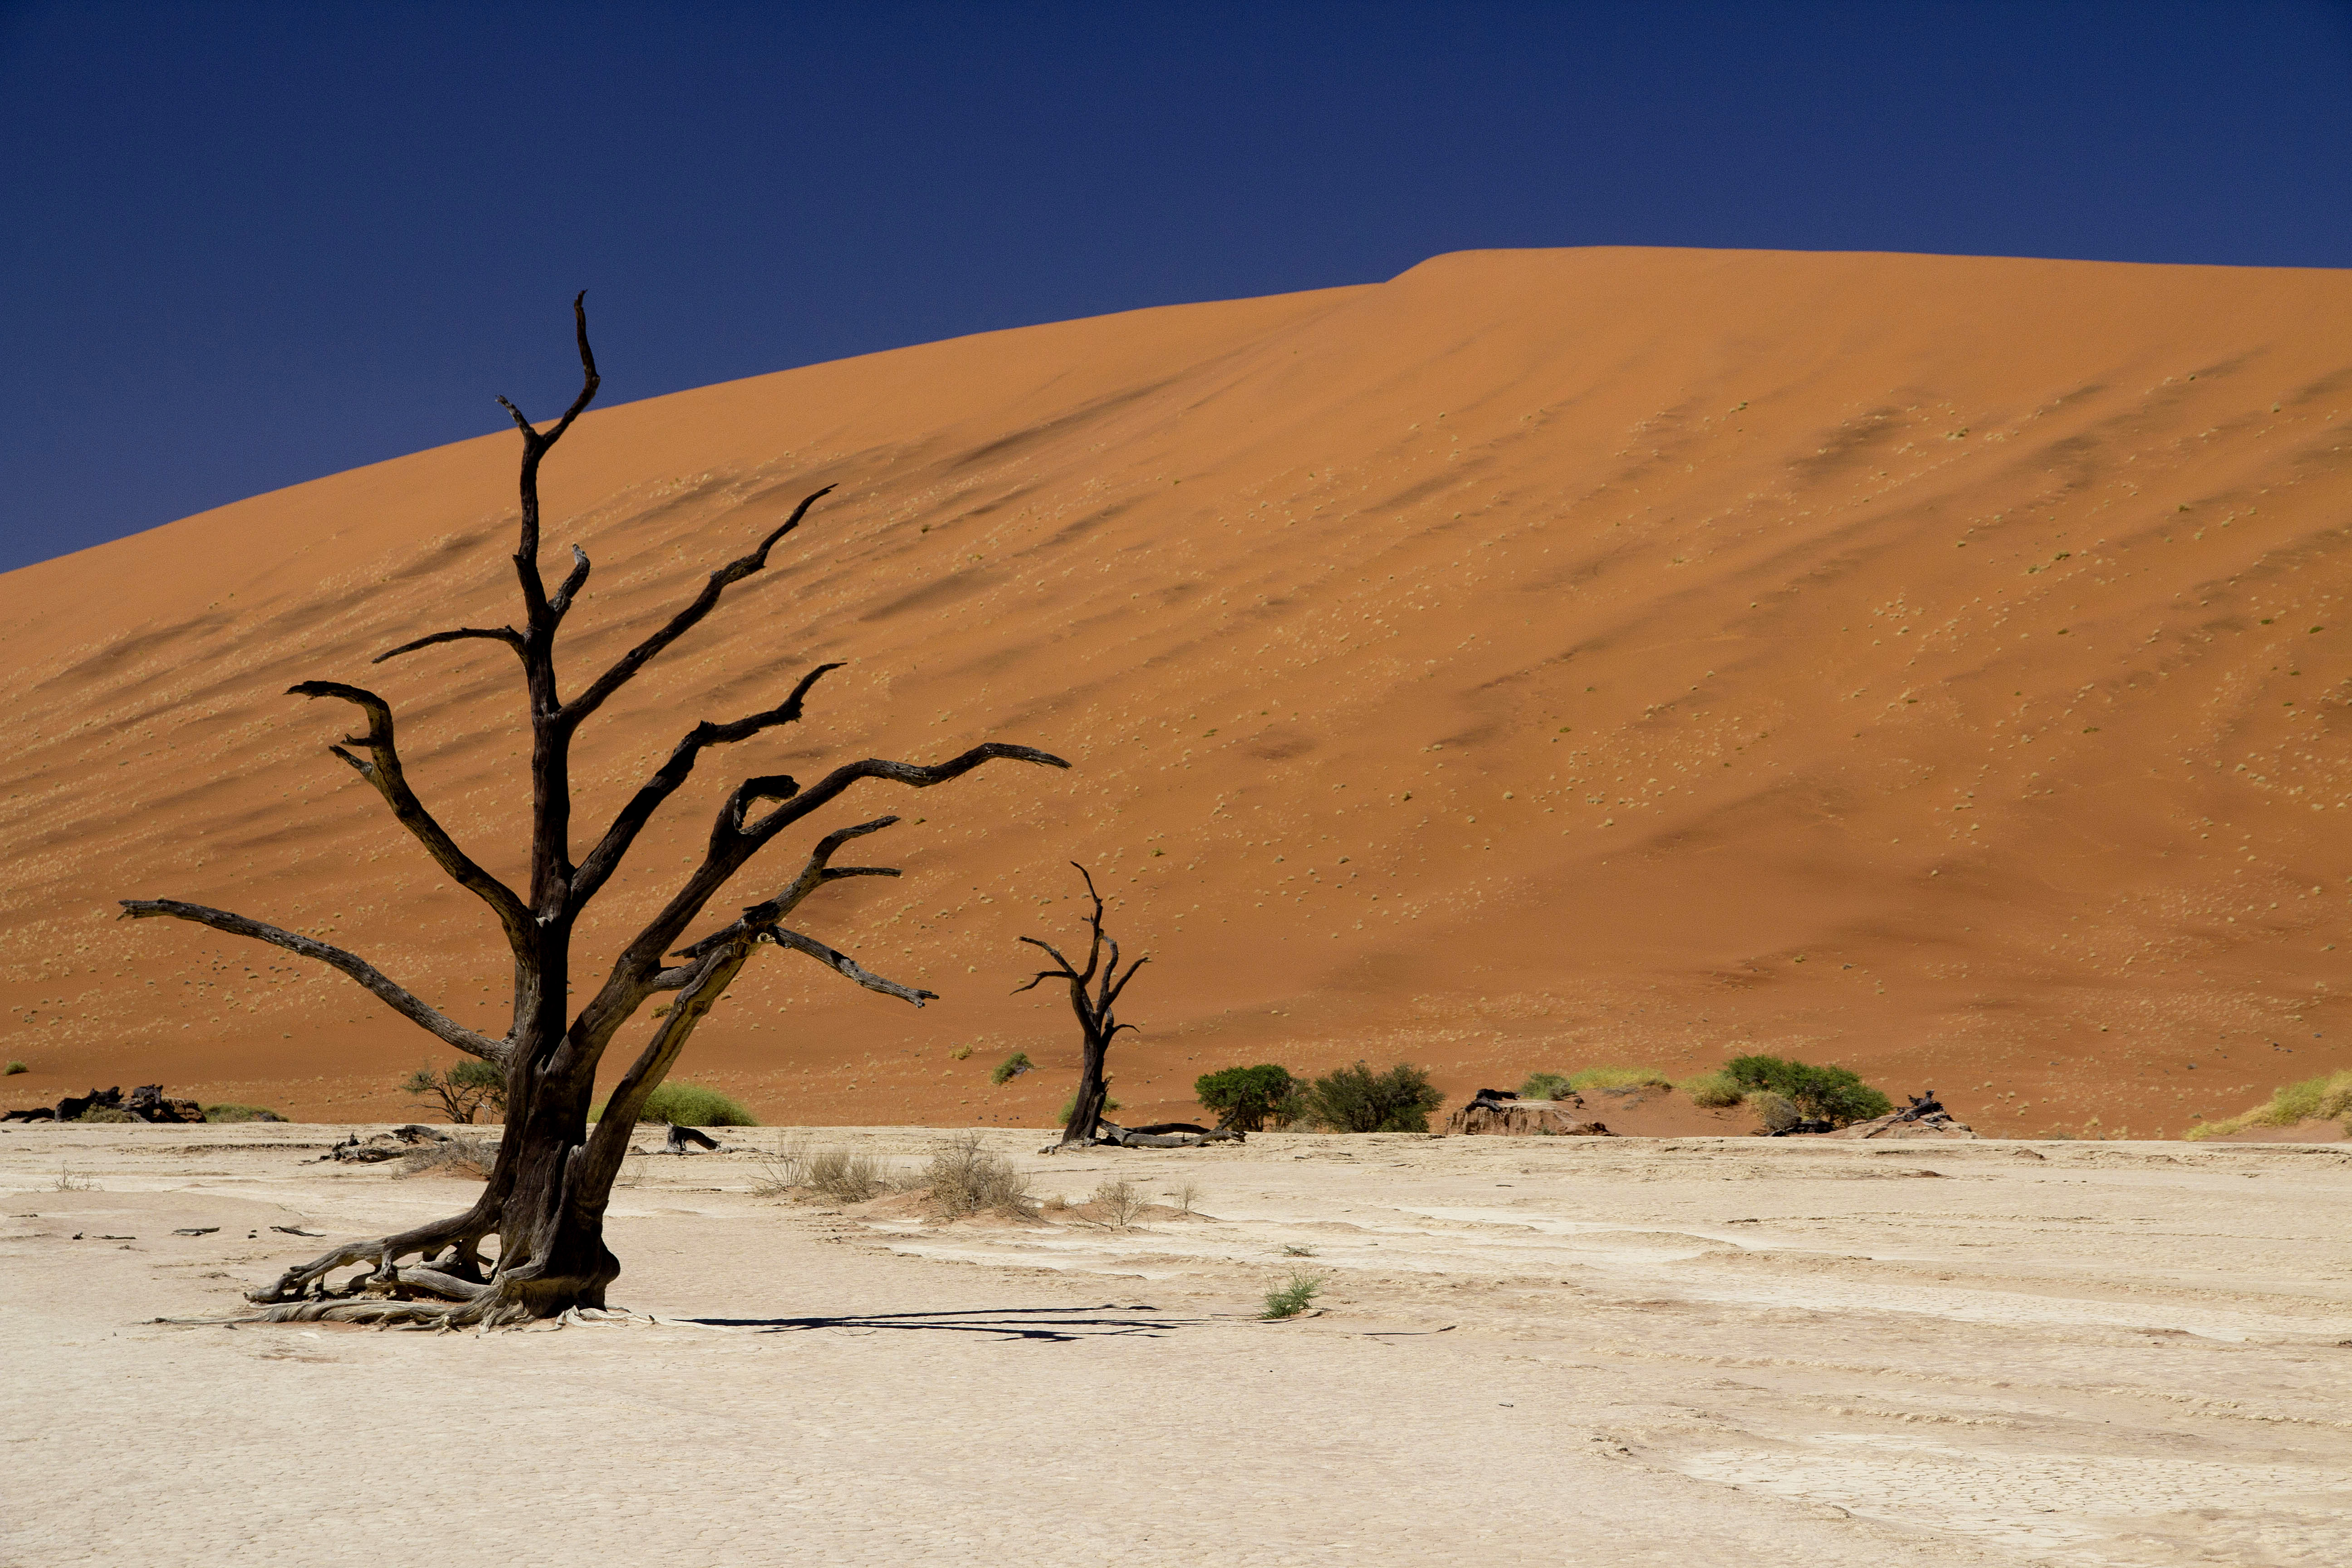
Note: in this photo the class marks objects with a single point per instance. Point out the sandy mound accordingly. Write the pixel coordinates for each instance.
(1926, 664)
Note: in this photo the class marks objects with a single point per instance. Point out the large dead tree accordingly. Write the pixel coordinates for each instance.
(1096, 1025)
(543, 1205)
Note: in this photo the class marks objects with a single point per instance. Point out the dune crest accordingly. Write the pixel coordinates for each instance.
(1933, 665)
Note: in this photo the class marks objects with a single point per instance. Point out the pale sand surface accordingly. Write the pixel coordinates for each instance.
(1683, 1351)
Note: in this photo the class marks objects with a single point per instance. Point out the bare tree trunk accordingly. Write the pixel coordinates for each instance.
(545, 1199)
(1096, 1025)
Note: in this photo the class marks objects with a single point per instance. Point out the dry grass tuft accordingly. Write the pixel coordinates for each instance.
(964, 1178)
(1712, 1089)
(2324, 1099)
(1187, 1199)
(461, 1157)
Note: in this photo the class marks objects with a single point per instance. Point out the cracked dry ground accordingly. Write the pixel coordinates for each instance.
(1616, 1352)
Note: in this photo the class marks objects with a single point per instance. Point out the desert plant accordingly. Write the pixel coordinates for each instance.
(1619, 1078)
(547, 1198)
(964, 1177)
(459, 1156)
(1293, 1298)
(1187, 1198)
(1244, 1100)
(105, 1113)
(1119, 1201)
(1544, 1086)
(464, 1088)
(1294, 1250)
(1831, 1094)
(1711, 1088)
(1774, 1112)
(14, 1069)
(688, 1105)
(2327, 1098)
(847, 1175)
(229, 1113)
(1096, 1028)
(1358, 1100)
(69, 1181)
(1070, 1108)
(1011, 1068)
(961, 1053)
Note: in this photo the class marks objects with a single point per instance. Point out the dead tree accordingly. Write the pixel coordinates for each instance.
(1095, 1025)
(544, 1201)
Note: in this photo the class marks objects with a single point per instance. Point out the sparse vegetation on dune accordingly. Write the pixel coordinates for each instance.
(2324, 1099)
(1544, 1086)
(1011, 1068)
(1713, 1089)
(1358, 1100)
(14, 1069)
(1831, 1094)
(1619, 1078)
(688, 1105)
(1070, 1108)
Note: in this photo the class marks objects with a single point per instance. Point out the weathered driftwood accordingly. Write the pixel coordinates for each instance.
(146, 1103)
(545, 1200)
(1159, 1135)
(1509, 1116)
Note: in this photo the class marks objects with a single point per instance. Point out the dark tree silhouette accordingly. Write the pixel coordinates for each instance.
(1096, 1025)
(545, 1199)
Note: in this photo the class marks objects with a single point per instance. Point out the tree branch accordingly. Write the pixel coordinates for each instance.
(571, 585)
(734, 571)
(395, 996)
(534, 447)
(385, 773)
(506, 634)
(607, 856)
(843, 963)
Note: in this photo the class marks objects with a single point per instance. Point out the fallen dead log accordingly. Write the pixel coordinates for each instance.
(1159, 1135)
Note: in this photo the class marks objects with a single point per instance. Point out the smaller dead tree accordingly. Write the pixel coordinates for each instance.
(1096, 1024)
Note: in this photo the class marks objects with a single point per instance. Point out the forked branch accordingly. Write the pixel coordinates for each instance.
(384, 771)
(399, 998)
(678, 625)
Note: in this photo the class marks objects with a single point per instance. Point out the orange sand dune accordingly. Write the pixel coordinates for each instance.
(1933, 665)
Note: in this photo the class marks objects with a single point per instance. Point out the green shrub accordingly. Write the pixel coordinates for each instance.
(103, 1113)
(1246, 1098)
(1773, 1112)
(2324, 1099)
(1357, 1100)
(465, 1088)
(1011, 1068)
(14, 1069)
(688, 1105)
(1062, 1117)
(240, 1113)
(1712, 1088)
(1619, 1078)
(1293, 1298)
(1545, 1086)
(1831, 1094)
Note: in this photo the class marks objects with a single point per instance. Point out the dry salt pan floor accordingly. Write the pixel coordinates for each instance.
(1530, 1351)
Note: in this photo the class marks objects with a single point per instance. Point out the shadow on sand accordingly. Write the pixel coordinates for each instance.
(1053, 1325)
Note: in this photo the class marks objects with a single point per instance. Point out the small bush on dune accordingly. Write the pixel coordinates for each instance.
(1358, 1100)
(2324, 1099)
(1619, 1078)
(1712, 1088)
(1831, 1094)
(1544, 1086)
(15, 1068)
(688, 1105)
(226, 1113)
(1774, 1112)
(1011, 1068)
(965, 1178)
(1246, 1100)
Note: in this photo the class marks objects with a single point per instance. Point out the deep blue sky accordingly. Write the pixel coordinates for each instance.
(241, 247)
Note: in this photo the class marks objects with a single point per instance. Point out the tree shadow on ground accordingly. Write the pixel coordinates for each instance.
(1052, 1325)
